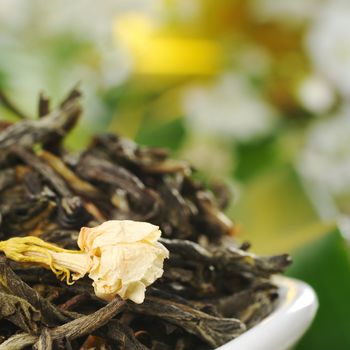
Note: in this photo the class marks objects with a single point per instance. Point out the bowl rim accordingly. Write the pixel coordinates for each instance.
(296, 308)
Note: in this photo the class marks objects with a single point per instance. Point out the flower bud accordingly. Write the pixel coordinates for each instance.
(126, 258)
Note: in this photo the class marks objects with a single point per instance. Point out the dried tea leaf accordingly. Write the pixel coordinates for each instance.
(74, 329)
(212, 289)
(213, 330)
(29, 132)
(85, 325)
(12, 284)
(232, 259)
(18, 341)
(43, 105)
(19, 312)
(45, 341)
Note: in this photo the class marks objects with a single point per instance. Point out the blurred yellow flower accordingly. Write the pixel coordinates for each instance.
(156, 53)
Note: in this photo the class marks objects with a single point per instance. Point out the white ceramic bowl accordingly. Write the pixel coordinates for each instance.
(295, 310)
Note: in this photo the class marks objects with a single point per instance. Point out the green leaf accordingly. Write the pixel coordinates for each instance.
(325, 265)
(169, 134)
(274, 213)
(255, 156)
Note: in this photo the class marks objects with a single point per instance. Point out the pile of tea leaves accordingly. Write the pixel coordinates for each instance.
(212, 289)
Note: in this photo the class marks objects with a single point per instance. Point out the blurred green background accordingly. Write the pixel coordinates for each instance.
(252, 92)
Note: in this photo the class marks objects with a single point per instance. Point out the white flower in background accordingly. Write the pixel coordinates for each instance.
(253, 61)
(52, 45)
(229, 108)
(13, 13)
(343, 222)
(316, 94)
(328, 43)
(208, 155)
(31, 67)
(110, 75)
(184, 9)
(89, 19)
(286, 11)
(326, 157)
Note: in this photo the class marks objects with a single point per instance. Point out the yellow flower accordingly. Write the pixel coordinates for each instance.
(126, 258)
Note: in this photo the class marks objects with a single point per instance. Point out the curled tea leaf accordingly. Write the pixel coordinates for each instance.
(19, 312)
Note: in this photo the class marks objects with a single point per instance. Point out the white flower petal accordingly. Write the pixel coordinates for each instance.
(126, 258)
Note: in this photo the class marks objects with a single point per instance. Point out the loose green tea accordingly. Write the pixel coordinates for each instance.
(212, 289)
